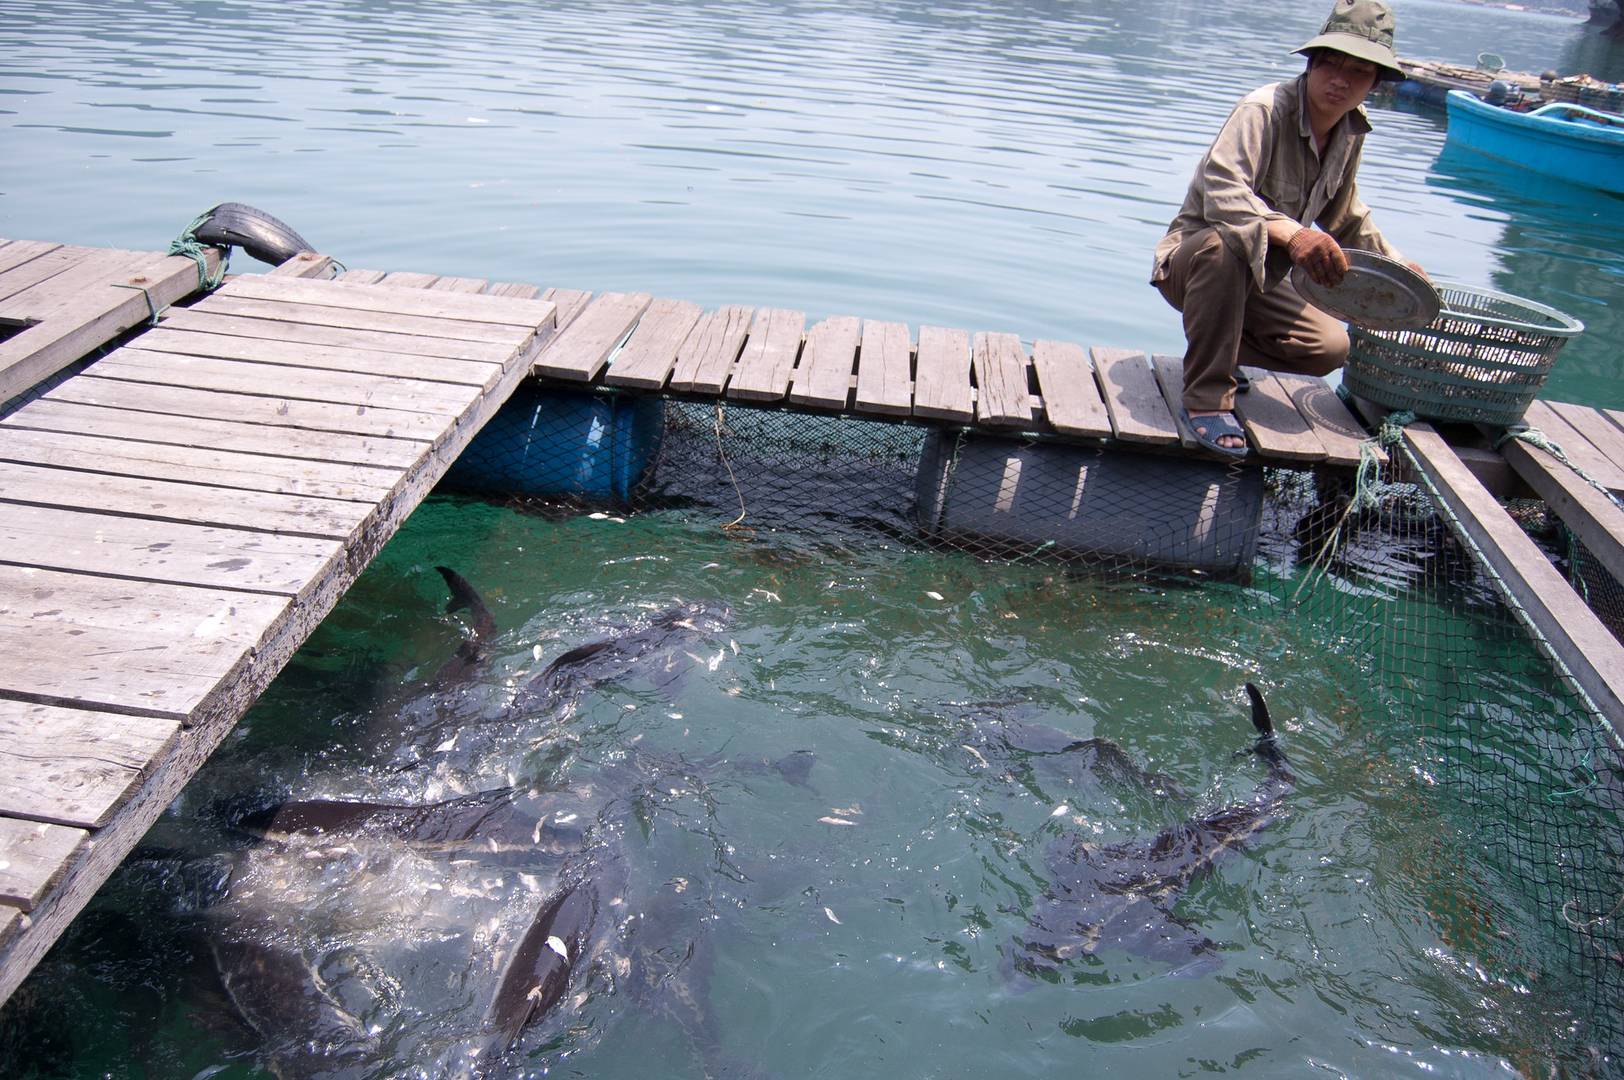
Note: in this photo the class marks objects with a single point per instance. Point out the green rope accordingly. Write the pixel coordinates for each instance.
(152, 309)
(1367, 480)
(1535, 437)
(187, 244)
(1580, 771)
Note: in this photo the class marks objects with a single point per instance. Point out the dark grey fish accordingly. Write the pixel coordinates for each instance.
(504, 826)
(1120, 896)
(308, 1033)
(658, 651)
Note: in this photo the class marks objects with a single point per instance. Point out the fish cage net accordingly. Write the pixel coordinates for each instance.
(1530, 878)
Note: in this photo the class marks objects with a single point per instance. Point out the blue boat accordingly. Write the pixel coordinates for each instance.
(1574, 143)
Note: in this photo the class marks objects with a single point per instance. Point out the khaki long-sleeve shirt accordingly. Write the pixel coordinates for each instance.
(1263, 165)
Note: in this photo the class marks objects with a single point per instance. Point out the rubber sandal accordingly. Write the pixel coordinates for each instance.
(1209, 429)
(1243, 382)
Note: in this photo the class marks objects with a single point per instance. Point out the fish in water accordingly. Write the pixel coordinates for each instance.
(1120, 895)
(353, 918)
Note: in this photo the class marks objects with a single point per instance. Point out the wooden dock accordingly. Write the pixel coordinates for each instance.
(177, 517)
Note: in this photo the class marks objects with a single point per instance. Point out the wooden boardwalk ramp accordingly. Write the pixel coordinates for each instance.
(177, 518)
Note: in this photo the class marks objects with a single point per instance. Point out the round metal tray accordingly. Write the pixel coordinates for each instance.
(1376, 293)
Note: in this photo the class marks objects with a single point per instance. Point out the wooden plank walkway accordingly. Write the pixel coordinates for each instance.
(176, 518)
(851, 366)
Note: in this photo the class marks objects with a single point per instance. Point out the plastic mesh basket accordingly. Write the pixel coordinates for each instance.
(1481, 360)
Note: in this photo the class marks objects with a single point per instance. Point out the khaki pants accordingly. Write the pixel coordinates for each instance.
(1228, 322)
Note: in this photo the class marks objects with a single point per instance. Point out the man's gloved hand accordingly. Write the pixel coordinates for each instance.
(1319, 255)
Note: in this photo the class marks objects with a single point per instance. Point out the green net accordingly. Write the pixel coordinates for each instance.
(1522, 864)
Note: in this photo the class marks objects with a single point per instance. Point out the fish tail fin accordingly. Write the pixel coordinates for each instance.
(464, 598)
(1267, 746)
(1260, 713)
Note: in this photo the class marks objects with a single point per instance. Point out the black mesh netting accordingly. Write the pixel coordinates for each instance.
(1528, 770)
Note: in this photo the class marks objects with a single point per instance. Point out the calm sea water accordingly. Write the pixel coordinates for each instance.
(1000, 168)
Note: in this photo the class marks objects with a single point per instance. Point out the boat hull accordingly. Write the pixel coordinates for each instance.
(1555, 143)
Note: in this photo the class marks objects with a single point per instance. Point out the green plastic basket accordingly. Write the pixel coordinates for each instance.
(1481, 360)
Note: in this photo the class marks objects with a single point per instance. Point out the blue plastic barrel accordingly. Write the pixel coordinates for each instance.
(551, 442)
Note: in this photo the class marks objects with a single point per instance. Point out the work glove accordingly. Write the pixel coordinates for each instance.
(1319, 255)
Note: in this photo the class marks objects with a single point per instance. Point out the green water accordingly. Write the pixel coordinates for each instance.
(998, 168)
(861, 949)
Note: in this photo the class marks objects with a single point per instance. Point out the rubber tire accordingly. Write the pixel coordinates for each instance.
(256, 232)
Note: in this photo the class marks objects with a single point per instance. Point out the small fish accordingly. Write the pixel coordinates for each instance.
(835, 821)
(832, 917)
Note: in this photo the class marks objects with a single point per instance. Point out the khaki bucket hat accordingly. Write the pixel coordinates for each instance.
(1362, 29)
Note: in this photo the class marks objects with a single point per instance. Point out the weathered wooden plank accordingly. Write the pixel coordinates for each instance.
(348, 388)
(1597, 430)
(1003, 386)
(33, 855)
(501, 310)
(461, 285)
(101, 314)
(580, 350)
(17, 252)
(82, 541)
(651, 352)
(362, 277)
(942, 375)
(1169, 371)
(1578, 638)
(28, 274)
(306, 264)
(166, 500)
(185, 431)
(512, 288)
(324, 358)
(205, 320)
(768, 358)
(1592, 515)
(195, 464)
(1272, 421)
(706, 357)
(12, 921)
(247, 408)
(406, 279)
(392, 323)
(1133, 398)
(884, 379)
(1071, 397)
(70, 766)
(133, 646)
(823, 376)
(570, 303)
(1575, 444)
(1338, 432)
(63, 290)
